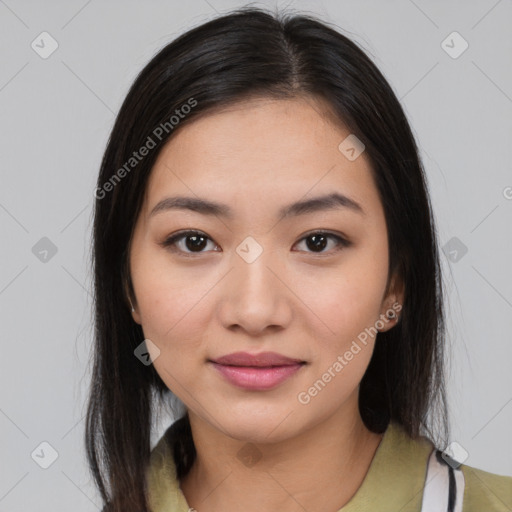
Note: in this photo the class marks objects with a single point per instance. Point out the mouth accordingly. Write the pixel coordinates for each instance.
(256, 372)
(261, 360)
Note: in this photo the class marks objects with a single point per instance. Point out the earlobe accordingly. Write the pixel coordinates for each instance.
(135, 314)
(390, 316)
(393, 303)
(396, 295)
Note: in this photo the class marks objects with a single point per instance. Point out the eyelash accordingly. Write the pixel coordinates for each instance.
(170, 242)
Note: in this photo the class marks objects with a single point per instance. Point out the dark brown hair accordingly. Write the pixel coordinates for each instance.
(252, 52)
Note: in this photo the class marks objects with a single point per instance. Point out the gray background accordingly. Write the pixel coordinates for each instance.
(56, 114)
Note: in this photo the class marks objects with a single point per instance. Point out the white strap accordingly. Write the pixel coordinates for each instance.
(437, 484)
(460, 483)
(437, 487)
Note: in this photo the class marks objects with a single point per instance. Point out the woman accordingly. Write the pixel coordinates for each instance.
(265, 251)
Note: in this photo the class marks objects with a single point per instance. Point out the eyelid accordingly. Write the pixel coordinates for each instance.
(341, 240)
(170, 242)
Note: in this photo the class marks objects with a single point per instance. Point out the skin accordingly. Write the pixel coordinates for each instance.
(256, 157)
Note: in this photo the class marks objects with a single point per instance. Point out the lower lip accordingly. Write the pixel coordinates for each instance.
(250, 377)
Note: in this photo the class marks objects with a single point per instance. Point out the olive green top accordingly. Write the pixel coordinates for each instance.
(394, 481)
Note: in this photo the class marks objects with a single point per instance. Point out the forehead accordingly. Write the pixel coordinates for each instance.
(262, 148)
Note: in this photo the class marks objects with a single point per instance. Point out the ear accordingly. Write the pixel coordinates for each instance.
(136, 315)
(132, 305)
(392, 303)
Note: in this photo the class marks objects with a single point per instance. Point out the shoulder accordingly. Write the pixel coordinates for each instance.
(164, 493)
(161, 461)
(485, 491)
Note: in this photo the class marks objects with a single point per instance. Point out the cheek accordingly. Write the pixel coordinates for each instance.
(173, 318)
(348, 298)
(167, 299)
(348, 308)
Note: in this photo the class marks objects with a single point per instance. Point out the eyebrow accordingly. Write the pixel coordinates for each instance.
(205, 207)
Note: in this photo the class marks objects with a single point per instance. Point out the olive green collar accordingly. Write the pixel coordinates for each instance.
(394, 481)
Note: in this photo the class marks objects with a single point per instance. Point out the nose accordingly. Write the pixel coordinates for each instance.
(255, 295)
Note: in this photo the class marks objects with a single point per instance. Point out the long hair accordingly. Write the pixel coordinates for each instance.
(247, 53)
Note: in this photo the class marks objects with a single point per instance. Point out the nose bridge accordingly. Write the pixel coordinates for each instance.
(253, 261)
(255, 297)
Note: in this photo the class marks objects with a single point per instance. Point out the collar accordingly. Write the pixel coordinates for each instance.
(394, 480)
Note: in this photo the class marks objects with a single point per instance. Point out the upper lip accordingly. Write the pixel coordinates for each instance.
(263, 359)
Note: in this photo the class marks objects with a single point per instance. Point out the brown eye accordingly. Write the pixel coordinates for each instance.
(194, 242)
(317, 241)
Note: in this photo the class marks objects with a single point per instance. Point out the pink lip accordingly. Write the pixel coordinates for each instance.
(257, 378)
(256, 372)
(262, 359)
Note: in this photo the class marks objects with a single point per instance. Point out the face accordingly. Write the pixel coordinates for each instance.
(308, 285)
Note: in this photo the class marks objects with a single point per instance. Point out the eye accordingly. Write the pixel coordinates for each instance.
(196, 241)
(318, 240)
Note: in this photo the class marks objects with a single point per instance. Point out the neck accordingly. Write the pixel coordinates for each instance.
(319, 469)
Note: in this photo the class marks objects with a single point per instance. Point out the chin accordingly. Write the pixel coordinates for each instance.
(258, 428)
